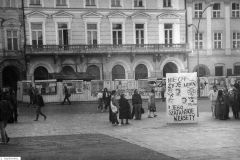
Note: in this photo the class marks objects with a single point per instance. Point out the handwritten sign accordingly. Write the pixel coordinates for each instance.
(181, 92)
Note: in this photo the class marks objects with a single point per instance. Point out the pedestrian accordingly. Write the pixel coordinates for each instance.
(31, 95)
(106, 99)
(162, 91)
(100, 100)
(219, 105)
(124, 109)
(114, 109)
(40, 104)
(67, 95)
(234, 101)
(213, 97)
(151, 104)
(13, 101)
(137, 104)
(226, 104)
(5, 115)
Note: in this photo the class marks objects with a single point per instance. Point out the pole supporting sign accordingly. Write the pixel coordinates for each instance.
(181, 89)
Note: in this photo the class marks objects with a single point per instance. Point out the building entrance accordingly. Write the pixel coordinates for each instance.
(10, 77)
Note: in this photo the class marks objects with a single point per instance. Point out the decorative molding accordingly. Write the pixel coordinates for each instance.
(11, 23)
(62, 14)
(168, 16)
(140, 15)
(117, 14)
(37, 14)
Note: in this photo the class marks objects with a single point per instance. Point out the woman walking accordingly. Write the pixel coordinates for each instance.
(219, 105)
(151, 105)
(114, 109)
(124, 109)
(40, 104)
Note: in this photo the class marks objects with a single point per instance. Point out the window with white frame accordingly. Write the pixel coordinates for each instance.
(198, 9)
(216, 10)
(167, 3)
(217, 37)
(117, 34)
(116, 3)
(168, 33)
(198, 41)
(10, 3)
(139, 33)
(235, 10)
(90, 2)
(138, 3)
(61, 2)
(63, 34)
(35, 2)
(92, 38)
(236, 40)
(37, 34)
(12, 40)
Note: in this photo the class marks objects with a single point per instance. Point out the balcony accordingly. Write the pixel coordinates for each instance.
(11, 54)
(106, 49)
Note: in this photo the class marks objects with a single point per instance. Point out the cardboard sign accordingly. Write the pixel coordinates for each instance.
(181, 94)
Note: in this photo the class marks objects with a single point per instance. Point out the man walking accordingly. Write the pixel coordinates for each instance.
(137, 104)
(67, 95)
(40, 104)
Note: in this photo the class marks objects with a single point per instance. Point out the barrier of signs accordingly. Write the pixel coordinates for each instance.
(46, 87)
(74, 86)
(25, 87)
(181, 97)
(125, 86)
(96, 86)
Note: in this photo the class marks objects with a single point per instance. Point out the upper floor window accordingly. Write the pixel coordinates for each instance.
(235, 10)
(167, 3)
(198, 10)
(12, 40)
(37, 34)
(217, 40)
(61, 2)
(117, 34)
(236, 40)
(63, 34)
(116, 3)
(138, 3)
(168, 33)
(92, 34)
(216, 10)
(199, 41)
(139, 34)
(10, 3)
(35, 2)
(90, 3)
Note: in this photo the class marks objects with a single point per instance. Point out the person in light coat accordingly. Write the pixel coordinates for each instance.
(213, 98)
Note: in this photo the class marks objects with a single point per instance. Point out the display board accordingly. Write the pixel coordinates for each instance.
(96, 86)
(74, 86)
(181, 92)
(125, 86)
(25, 87)
(46, 87)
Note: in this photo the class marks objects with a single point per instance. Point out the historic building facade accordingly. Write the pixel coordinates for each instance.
(108, 39)
(218, 40)
(12, 64)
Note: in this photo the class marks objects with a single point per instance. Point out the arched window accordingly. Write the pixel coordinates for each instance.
(94, 71)
(41, 73)
(141, 72)
(203, 70)
(67, 70)
(170, 67)
(118, 72)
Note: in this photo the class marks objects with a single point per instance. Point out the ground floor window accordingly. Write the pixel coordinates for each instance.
(41, 73)
(141, 72)
(218, 70)
(67, 70)
(94, 71)
(118, 72)
(170, 67)
(237, 70)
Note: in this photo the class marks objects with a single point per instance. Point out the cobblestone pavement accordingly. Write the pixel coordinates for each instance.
(208, 139)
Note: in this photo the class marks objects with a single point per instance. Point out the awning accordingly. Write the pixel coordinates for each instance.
(72, 76)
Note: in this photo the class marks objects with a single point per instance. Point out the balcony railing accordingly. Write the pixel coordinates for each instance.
(107, 48)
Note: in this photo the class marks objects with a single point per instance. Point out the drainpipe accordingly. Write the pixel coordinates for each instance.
(24, 35)
(186, 39)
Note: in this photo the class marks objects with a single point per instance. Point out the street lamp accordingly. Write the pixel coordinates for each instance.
(197, 32)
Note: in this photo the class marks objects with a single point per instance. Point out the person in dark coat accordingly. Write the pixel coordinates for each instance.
(234, 101)
(225, 108)
(219, 105)
(124, 109)
(5, 115)
(31, 95)
(67, 95)
(13, 101)
(40, 104)
(106, 98)
(137, 104)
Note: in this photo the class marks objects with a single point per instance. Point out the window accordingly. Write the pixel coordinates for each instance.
(167, 3)
(198, 41)
(92, 34)
(116, 3)
(216, 10)
(10, 3)
(61, 2)
(229, 72)
(141, 72)
(37, 35)
(138, 3)
(63, 34)
(198, 10)
(35, 2)
(94, 71)
(235, 10)
(139, 34)
(236, 39)
(218, 70)
(237, 70)
(217, 40)
(90, 3)
(12, 40)
(168, 33)
(118, 72)
(117, 34)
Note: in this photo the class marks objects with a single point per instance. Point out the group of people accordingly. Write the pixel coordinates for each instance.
(121, 109)
(224, 99)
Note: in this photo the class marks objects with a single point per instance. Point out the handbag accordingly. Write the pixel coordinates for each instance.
(113, 107)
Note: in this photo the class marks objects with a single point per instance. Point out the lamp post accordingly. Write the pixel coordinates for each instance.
(197, 32)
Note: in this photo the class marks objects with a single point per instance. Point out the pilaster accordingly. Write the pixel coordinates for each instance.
(227, 29)
(209, 31)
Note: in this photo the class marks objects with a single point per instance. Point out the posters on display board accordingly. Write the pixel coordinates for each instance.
(220, 82)
(204, 86)
(232, 80)
(25, 87)
(181, 97)
(107, 84)
(46, 87)
(125, 86)
(96, 86)
(74, 86)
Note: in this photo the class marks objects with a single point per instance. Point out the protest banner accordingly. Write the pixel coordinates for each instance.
(181, 92)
